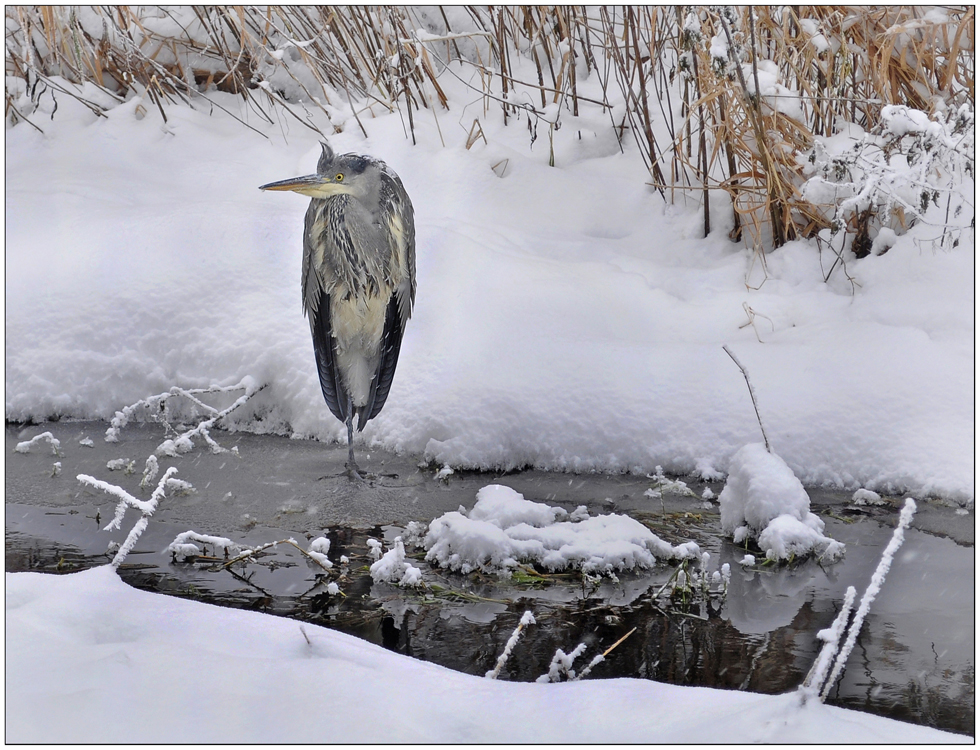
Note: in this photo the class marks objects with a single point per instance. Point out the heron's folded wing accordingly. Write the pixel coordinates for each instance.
(323, 347)
(391, 342)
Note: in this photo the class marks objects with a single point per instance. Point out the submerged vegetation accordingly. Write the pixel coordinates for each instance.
(741, 101)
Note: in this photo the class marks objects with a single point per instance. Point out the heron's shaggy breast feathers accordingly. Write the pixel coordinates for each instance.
(359, 252)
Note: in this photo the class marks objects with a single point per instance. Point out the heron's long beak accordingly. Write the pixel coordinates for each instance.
(311, 184)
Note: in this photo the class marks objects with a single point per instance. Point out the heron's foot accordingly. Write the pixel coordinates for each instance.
(355, 474)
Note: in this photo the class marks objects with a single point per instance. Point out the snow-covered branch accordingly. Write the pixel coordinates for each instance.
(146, 507)
(158, 408)
(877, 579)
(183, 545)
(831, 637)
(26, 446)
(526, 619)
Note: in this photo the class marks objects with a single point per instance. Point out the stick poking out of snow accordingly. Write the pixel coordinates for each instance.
(526, 619)
(877, 579)
(831, 637)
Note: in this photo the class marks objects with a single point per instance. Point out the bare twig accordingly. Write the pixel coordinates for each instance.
(755, 404)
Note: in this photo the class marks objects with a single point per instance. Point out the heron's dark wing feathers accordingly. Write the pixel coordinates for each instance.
(331, 385)
(391, 343)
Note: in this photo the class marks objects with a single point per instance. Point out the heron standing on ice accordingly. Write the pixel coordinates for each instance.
(358, 280)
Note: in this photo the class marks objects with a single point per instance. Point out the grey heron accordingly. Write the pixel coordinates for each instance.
(358, 280)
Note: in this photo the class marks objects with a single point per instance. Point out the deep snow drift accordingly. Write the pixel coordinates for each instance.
(566, 318)
(115, 664)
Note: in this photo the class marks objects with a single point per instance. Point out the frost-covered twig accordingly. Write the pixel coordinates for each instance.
(184, 442)
(248, 553)
(602, 657)
(44, 436)
(561, 663)
(183, 544)
(755, 404)
(146, 507)
(526, 619)
(831, 637)
(877, 579)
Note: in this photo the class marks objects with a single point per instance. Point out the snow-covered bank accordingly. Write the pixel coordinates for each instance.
(90, 659)
(565, 319)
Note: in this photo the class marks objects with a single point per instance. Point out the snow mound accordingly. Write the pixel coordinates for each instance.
(393, 568)
(764, 500)
(504, 530)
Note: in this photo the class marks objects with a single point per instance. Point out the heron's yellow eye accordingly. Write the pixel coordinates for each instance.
(339, 177)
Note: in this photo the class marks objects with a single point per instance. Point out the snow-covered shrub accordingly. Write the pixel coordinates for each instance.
(910, 168)
(503, 530)
(764, 501)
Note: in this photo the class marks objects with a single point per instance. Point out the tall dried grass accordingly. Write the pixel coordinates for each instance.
(697, 119)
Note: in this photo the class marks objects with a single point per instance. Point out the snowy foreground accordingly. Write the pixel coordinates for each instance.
(566, 318)
(91, 659)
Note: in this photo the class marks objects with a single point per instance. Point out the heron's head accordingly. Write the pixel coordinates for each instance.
(346, 173)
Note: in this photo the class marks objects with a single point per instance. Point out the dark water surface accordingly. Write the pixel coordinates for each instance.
(914, 659)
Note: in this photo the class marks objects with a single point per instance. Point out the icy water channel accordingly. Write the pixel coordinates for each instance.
(914, 659)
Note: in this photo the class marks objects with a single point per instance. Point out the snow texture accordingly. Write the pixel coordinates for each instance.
(504, 530)
(763, 500)
(556, 327)
(98, 655)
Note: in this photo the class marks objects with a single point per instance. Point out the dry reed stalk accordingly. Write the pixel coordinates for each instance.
(841, 63)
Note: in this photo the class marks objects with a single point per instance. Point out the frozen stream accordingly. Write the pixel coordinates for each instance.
(914, 659)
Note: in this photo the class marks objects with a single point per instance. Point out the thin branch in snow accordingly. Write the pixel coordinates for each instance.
(877, 579)
(526, 619)
(755, 404)
(44, 436)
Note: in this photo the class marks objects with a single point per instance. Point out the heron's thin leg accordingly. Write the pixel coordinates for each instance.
(352, 467)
